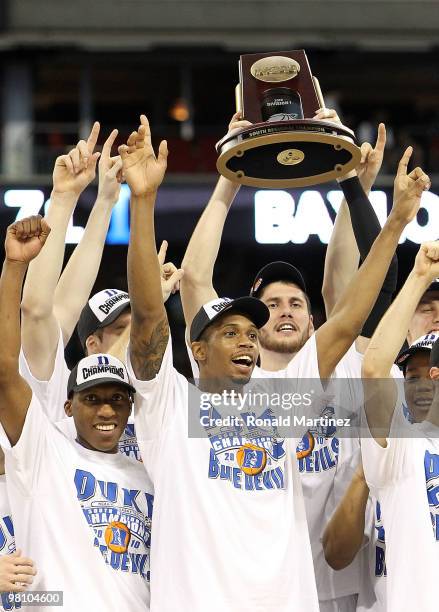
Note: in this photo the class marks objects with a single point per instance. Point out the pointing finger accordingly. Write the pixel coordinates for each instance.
(144, 121)
(402, 166)
(163, 152)
(93, 138)
(162, 252)
(106, 149)
(381, 138)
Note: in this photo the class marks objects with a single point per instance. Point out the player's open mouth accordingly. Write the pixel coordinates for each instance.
(105, 427)
(286, 328)
(423, 402)
(243, 361)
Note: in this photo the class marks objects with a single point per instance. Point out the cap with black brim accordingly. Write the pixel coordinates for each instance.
(96, 370)
(101, 310)
(249, 307)
(277, 271)
(423, 344)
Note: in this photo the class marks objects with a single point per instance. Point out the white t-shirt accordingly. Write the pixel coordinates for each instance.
(326, 464)
(326, 470)
(83, 516)
(53, 393)
(404, 476)
(226, 537)
(372, 595)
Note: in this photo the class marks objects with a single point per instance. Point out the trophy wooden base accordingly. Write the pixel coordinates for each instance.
(295, 153)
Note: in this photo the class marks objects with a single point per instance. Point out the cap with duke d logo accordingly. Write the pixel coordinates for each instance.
(97, 370)
(424, 343)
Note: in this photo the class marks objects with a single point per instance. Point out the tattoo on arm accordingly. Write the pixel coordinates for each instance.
(147, 355)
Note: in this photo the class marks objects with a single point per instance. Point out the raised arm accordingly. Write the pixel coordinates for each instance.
(202, 250)
(170, 281)
(344, 534)
(354, 233)
(71, 175)
(79, 275)
(24, 240)
(149, 322)
(335, 337)
(379, 387)
(391, 332)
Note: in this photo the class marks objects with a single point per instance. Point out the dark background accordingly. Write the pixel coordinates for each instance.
(64, 65)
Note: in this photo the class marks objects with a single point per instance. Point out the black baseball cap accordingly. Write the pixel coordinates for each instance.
(97, 370)
(277, 271)
(424, 343)
(434, 285)
(101, 310)
(250, 307)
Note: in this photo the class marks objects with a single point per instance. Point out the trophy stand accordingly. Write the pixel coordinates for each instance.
(283, 148)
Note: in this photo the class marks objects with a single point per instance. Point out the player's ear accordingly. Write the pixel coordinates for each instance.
(92, 344)
(434, 373)
(311, 329)
(68, 407)
(199, 350)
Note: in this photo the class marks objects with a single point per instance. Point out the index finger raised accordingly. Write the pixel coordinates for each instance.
(162, 252)
(106, 148)
(93, 137)
(381, 138)
(144, 121)
(402, 166)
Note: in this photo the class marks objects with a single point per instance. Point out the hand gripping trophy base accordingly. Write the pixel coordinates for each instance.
(280, 154)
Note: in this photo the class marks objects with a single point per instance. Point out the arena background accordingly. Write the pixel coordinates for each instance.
(64, 64)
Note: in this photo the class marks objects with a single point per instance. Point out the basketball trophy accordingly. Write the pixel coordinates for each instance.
(284, 147)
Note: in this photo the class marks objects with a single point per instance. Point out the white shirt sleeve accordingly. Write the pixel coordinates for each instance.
(51, 393)
(22, 459)
(385, 465)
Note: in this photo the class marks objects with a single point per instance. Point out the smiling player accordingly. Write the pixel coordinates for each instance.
(79, 496)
